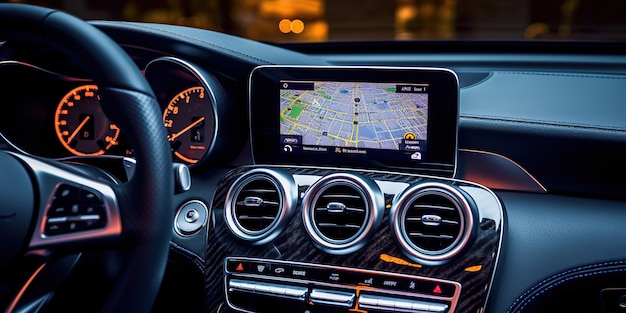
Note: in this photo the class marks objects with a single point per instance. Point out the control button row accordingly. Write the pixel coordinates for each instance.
(67, 195)
(292, 292)
(74, 209)
(333, 298)
(342, 277)
(62, 225)
(372, 302)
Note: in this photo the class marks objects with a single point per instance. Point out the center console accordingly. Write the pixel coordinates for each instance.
(351, 204)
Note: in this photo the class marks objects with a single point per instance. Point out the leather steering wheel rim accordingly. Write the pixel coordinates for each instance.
(127, 99)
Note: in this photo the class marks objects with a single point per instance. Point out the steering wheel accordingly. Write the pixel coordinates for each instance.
(49, 206)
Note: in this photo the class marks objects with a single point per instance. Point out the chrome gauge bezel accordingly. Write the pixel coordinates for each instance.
(159, 73)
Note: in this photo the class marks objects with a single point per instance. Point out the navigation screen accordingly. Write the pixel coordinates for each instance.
(354, 118)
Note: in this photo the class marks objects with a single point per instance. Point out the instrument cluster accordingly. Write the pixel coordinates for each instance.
(57, 116)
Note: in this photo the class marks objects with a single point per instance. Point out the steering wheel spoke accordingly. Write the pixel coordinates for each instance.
(74, 209)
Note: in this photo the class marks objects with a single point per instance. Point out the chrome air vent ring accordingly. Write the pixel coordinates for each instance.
(341, 212)
(432, 222)
(259, 203)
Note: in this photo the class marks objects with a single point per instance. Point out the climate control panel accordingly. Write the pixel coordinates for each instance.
(261, 285)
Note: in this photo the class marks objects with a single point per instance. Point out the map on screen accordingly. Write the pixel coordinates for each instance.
(358, 115)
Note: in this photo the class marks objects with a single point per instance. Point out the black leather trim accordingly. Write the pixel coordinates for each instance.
(545, 235)
(581, 286)
(188, 255)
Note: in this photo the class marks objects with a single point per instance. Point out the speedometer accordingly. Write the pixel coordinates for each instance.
(190, 124)
(81, 125)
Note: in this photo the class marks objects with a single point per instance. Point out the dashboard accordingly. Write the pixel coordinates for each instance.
(71, 123)
(438, 178)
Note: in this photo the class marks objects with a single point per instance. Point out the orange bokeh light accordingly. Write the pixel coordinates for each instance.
(297, 26)
(284, 26)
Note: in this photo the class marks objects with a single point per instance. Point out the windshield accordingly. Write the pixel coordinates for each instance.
(371, 20)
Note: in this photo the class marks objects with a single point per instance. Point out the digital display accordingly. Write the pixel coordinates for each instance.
(356, 118)
(382, 118)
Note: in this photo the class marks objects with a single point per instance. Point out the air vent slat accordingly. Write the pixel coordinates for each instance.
(260, 190)
(449, 222)
(433, 207)
(349, 210)
(357, 210)
(421, 235)
(341, 196)
(338, 226)
(265, 203)
(256, 218)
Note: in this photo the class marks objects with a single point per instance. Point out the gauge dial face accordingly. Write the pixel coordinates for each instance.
(81, 125)
(190, 122)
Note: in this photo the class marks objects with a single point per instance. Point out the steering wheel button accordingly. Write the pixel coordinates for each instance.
(89, 197)
(66, 194)
(58, 211)
(90, 209)
(56, 220)
(56, 228)
(89, 225)
(52, 229)
(89, 217)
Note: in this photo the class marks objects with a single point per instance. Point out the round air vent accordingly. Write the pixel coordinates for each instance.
(341, 211)
(432, 222)
(259, 203)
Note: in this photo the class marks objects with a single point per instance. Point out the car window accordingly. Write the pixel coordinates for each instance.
(368, 20)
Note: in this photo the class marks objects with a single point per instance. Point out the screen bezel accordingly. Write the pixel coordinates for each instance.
(443, 112)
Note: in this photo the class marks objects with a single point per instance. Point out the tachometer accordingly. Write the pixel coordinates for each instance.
(189, 122)
(81, 125)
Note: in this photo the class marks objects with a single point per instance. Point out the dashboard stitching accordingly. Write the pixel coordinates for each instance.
(198, 40)
(196, 259)
(566, 280)
(582, 268)
(543, 123)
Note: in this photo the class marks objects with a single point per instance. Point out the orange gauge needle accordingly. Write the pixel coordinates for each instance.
(78, 129)
(174, 136)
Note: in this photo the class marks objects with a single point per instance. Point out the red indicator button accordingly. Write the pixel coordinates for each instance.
(437, 290)
(240, 269)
